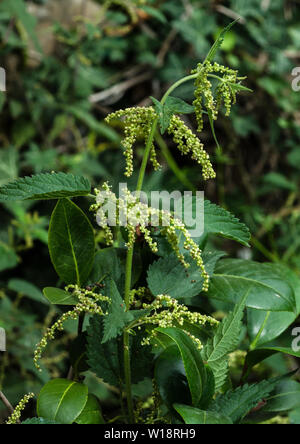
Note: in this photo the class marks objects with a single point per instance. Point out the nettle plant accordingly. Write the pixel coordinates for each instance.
(141, 303)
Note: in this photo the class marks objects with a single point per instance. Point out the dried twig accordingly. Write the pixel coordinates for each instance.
(230, 13)
(6, 402)
(113, 93)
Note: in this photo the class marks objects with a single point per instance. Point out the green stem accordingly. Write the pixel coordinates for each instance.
(129, 260)
(257, 338)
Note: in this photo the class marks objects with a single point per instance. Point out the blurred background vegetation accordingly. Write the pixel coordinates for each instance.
(71, 62)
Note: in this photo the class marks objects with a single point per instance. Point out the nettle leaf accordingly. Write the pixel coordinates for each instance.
(166, 111)
(62, 400)
(71, 243)
(8, 257)
(238, 87)
(269, 291)
(106, 360)
(117, 317)
(285, 398)
(44, 187)
(220, 40)
(220, 222)
(57, 296)
(191, 357)
(168, 276)
(191, 415)
(236, 404)
(224, 342)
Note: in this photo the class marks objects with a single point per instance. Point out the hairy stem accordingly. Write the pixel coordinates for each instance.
(129, 260)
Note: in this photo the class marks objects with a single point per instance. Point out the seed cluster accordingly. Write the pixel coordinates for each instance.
(111, 211)
(16, 415)
(138, 122)
(167, 312)
(187, 143)
(225, 92)
(87, 303)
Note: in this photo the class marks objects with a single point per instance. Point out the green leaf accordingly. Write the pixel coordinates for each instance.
(8, 257)
(57, 296)
(224, 342)
(91, 122)
(71, 243)
(18, 9)
(117, 317)
(170, 377)
(191, 415)
(154, 12)
(285, 398)
(191, 357)
(209, 389)
(269, 291)
(27, 289)
(168, 276)
(277, 180)
(258, 355)
(62, 400)
(166, 111)
(91, 413)
(44, 187)
(106, 360)
(268, 325)
(272, 324)
(239, 87)
(236, 404)
(218, 43)
(220, 222)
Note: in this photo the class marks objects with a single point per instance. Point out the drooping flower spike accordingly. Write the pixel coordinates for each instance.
(132, 214)
(138, 124)
(87, 303)
(228, 85)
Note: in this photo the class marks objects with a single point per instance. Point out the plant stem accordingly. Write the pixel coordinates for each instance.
(6, 402)
(129, 259)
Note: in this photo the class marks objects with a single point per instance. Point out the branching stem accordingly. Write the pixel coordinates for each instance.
(129, 260)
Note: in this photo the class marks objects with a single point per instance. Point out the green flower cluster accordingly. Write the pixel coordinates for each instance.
(136, 217)
(228, 85)
(16, 415)
(187, 143)
(87, 303)
(138, 122)
(167, 312)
